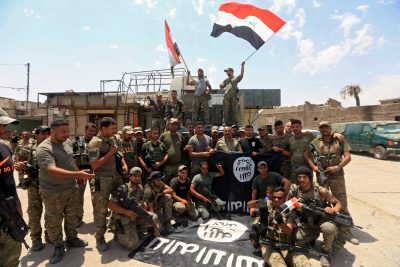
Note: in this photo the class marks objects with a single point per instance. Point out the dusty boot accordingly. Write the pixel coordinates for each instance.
(325, 261)
(76, 243)
(37, 245)
(57, 255)
(101, 244)
(350, 238)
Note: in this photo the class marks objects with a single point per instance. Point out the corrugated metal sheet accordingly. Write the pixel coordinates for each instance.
(261, 97)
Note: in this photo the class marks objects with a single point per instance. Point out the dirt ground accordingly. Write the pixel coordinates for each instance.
(373, 189)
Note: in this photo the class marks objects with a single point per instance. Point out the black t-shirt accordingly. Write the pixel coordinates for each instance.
(7, 183)
(273, 180)
(253, 144)
(181, 190)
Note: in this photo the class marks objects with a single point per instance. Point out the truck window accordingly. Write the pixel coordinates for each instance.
(354, 128)
(366, 128)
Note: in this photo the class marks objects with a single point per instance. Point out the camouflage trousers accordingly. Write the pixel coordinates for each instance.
(306, 233)
(129, 238)
(10, 250)
(81, 197)
(58, 207)
(203, 211)
(338, 188)
(179, 209)
(278, 259)
(231, 109)
(100, 197)
(203, 102)
(158, 123)
(164, 207)
(35, 210)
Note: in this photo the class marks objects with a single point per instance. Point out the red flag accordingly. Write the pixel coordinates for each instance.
(173, 50)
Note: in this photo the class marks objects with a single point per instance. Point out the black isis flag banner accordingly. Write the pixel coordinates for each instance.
(240, 169)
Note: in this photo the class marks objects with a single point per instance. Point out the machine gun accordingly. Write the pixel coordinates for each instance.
(339, 219)
(12, 220)
(278, 245)
(321, 175)
(131, 204)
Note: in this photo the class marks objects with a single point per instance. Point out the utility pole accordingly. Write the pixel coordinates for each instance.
(28, 66)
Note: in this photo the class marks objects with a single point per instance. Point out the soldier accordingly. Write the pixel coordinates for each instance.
(58, 188)
(280, 227)
(190, 127)
(298, 143)
(10, 249)
(264, 180)
(22, 152)
(127, 147)
(280, 144)
(201, 189)
(81, 156)
(214, 136)
(139, 141)
(175, 146)
(249, 143)
(175, 109)
(35, 202)
(131, 223)
(241, 132)
(159, 200)
(201, 148)
(334, 156)
(102, 156)
(235, 131)
(288, 127)
(231, 101)
(182, 200)
(154, 154)
(158, 108)
(201, 95)
(309, 228)
(265, 139)
(227, 143)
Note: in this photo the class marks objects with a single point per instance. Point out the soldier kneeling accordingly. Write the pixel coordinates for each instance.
(130, 220)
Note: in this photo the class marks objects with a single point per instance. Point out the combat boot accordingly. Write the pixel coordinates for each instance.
(168, 228)
(57, 255)
(101, 244)
(76, 243)
(37, 245)
(350, 238)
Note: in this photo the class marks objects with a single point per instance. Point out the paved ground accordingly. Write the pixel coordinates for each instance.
(373, 189)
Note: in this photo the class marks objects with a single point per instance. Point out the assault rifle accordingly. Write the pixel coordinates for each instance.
(339, 219)
(131, 204)
(213, 204)
(321, 175)
(278, 245)
(153, 103)
(12, 220)
(33, 175)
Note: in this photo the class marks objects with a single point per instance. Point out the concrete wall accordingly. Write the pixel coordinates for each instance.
(311, 114)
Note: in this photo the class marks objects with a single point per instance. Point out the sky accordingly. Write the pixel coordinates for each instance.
(324, 46)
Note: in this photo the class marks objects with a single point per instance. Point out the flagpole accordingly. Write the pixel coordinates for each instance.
(250, 55)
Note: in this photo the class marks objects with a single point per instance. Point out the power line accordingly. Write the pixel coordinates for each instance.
(12, 64)
(14, 88)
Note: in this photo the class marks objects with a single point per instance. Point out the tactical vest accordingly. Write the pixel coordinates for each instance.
(153, 152)
(81, 154)
(174, 110)
(274, 231)
(330, 154)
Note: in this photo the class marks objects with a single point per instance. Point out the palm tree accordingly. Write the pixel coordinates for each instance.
(351, 91)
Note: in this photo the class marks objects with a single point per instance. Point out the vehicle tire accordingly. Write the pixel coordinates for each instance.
(380, 153)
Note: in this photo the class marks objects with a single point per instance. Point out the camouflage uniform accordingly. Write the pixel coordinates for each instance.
(81, 157)
(278, 258)
(10, 250)
(128, 236)
(332, 155)
(282, 142)
(21, 152)
(228, 145)
(309, 227)
(105, 182)
(174, 110)
(266, 143)
(230, 102)
(297, 146)
(35, 202)
(163, 206)
(158, 116)
(153, 153)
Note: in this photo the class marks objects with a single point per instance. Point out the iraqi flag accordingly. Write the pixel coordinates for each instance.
(248, 22)
(290, 204)
(173, 50)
